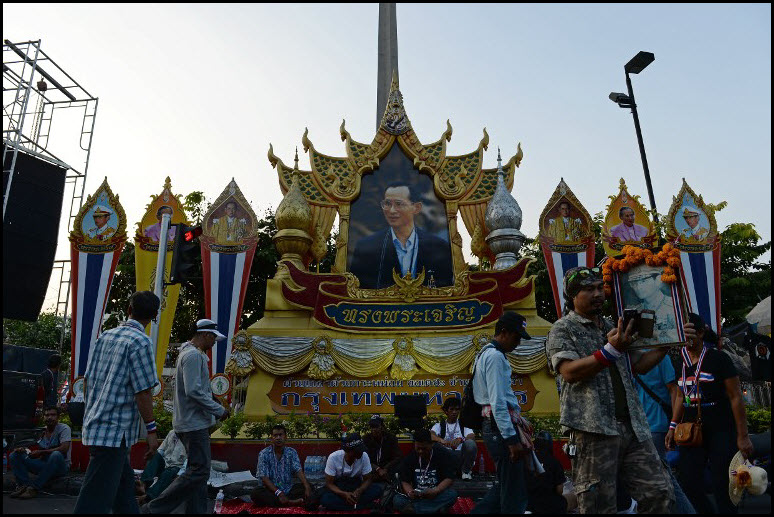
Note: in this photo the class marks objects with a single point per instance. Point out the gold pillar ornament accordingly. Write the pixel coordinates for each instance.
(294, 221)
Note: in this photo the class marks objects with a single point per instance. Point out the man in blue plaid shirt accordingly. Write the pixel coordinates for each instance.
(119, 378)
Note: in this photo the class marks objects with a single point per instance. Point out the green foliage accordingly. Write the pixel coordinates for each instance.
(392, 425)
(298, 426)
(330, 427)
(548, 423)
(43, 333)
(259, 430)
(194, 206)
(758, 419)
(744, 280)
(64, 418)
(357, 422)
(163, 419)
(232, 425)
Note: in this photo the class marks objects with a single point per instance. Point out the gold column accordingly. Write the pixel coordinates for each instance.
(340, 265)
(456, 239)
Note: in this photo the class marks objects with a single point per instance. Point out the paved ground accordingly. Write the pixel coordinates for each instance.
(51, 504)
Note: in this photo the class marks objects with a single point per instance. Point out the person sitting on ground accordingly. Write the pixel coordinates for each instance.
(545, 490)
(460, 441)
(383, 451)
(348, 481)
(426, 477)
(51, 460)
(164, 466)
(276, 466)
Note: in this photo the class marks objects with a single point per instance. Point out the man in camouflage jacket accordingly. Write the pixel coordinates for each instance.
(599, 404)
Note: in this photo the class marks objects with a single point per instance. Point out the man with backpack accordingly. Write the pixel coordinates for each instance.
(460, 441)
(501, 424)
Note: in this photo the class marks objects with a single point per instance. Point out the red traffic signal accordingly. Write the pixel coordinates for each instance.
(184, 256)
(192, 233)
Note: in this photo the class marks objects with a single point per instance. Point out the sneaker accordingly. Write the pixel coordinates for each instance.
(19, 491)
(29, 493)
(467, 476)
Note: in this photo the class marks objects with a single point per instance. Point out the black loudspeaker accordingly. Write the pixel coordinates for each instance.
(30, 231)
(411, 411)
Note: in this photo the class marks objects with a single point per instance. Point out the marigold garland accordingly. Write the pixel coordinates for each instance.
(669, 257)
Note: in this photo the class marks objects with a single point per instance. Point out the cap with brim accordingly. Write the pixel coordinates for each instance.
(102, 210)
(375, 421)
(744, 476)
(209, 326)
(689, 213)
(643, 272)
(352, 442)
(519, 320)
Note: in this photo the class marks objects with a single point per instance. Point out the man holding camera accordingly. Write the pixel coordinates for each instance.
(599, 404)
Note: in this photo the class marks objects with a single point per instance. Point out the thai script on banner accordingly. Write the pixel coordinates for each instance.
(377, 394)
(468, 312)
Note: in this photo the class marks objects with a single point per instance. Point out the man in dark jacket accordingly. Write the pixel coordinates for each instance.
(402, 247)
(383, 450)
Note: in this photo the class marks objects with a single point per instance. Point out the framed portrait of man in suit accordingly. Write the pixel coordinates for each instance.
(398, 224)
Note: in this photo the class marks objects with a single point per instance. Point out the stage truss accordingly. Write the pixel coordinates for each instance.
(35, 87)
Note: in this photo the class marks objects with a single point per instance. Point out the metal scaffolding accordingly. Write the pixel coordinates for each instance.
(34, 89)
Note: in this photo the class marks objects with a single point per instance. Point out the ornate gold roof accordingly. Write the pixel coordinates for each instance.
(335, 181)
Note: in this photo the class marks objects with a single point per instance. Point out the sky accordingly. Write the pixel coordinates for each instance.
(198, 92)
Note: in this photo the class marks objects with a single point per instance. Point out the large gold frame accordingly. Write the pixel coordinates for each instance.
(460, 182)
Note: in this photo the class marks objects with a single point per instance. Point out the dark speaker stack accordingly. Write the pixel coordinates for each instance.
(30, 231)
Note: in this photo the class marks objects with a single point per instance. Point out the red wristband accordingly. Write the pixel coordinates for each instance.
(599, 356)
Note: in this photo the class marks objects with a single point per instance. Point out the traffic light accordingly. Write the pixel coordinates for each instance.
(183, 252)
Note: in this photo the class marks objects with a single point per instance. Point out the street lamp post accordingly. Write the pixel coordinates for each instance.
(636, 65)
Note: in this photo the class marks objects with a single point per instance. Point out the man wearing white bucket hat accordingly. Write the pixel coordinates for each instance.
(743, 475)
(193, 413)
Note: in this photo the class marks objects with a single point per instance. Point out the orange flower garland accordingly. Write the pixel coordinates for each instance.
(669, 257)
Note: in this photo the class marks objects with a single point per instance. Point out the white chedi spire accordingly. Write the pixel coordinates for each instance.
(503, 220)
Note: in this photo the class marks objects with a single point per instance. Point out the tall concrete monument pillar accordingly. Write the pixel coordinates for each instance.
(388, 56)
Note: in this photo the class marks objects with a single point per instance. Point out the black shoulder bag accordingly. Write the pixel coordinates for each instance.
(470, 410)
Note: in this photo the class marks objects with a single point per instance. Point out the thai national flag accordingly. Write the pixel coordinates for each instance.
(701, 278)
(91, 277)
(225, 284)
(558, 263)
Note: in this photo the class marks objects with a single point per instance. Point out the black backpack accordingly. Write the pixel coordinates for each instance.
(470, 410)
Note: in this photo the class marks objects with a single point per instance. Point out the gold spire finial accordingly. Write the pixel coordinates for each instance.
(295, 167)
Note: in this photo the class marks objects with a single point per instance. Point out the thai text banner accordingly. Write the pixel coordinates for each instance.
(377, 394)
(423, 315)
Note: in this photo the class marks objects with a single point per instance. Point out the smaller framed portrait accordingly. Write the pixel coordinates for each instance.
(627, 223)
(658, 307)
(690, 224)
(79, 389)
(564, 221)
(101, 222)
(230, 224)
(220, 384)
(158, 389)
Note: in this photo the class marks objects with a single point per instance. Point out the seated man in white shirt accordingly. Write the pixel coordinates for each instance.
(459, 441)
(164, 466)
(348, 483)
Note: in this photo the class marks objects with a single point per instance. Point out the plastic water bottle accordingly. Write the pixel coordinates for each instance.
(481, 467)
(219, 501)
